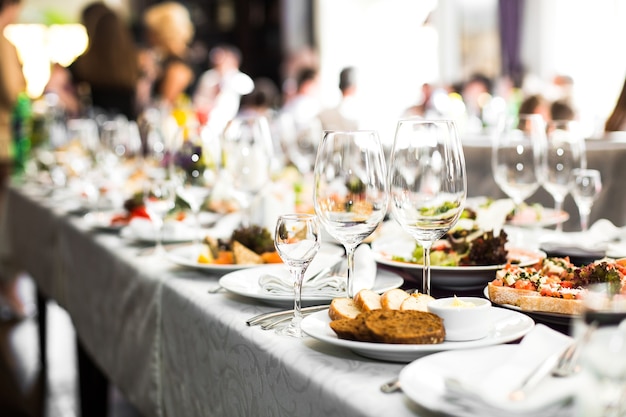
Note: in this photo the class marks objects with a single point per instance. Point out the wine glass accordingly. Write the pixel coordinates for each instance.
(247, 157)
(197, 165)
(565, 151)
(427, 182)
(297, 241)
(586, 187)
(159, 199)
(350, 189)
(518, 156)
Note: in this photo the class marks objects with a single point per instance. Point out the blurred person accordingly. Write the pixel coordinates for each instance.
(424, 104)
(109, 67)
(561, 110)
(617, 119)
(347, 115)
(169, 30)
(12, 83)
(304, 107)
(219, 90)
(535, 104)
(264, 99)
(476, 92)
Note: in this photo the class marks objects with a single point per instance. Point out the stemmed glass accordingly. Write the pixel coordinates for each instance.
(197, 166)
(586, 187)
(427, 182)
(159, 199)
(518, 156)
(565, 151)
(297, 240)
(247, 157)
(350, 186)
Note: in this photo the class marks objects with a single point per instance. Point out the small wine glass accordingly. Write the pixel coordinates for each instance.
(427, 182)
(586, 187)
(297, 241)
(565, 151)
(159, 199)
(247, 158)
(518, 156)
(197, 166)
(350, 189)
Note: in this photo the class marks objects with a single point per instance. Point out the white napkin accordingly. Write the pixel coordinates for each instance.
(489, 392)
(596, 240)
(333, 285)
(493, 217)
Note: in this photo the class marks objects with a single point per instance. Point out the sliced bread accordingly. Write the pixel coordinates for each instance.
(392, 299)
(416, 301)
(368, 300)
(343, 308)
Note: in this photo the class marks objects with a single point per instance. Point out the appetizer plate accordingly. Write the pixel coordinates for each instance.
(142, 230)
(423, 381)
(187, 255)
(538, 217)
(101, 220)
(246, 283)
(448, 277)
(554, 320)
(506, 326)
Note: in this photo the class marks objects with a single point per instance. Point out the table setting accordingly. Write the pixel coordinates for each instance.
(372, 226)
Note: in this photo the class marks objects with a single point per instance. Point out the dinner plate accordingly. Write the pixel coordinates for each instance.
(423, 381)
(142, 230)
(246, 283)
(506, 326)
(101, 220)
(558, 321)
(538, 217)
(448, 277)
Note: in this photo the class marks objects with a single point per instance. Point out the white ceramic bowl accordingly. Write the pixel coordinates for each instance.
(464, 318)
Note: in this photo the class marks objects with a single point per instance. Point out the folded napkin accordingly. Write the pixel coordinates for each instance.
(487, 394)
(595, 241)
(494, 216)
(334, 285)
(143, 229)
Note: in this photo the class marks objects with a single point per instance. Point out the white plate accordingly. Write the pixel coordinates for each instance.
(246, 283)
(142, 230)
(423, 381)
(507, 325)
(538, 217)
(101, 220)
(448, 277)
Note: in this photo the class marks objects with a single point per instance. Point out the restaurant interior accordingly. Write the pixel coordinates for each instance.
(405, 168)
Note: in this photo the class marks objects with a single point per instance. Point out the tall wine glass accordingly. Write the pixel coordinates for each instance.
(297, 240)
(565, 151)
(197, 167)
(427, 182)
(247, 157)
(350, 186)
(586, 187)
(159, 199)
(518, 156)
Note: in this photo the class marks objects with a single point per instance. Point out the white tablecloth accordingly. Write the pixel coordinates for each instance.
(172, 348)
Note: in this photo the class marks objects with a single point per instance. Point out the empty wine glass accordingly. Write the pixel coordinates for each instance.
(350, 189)
(247, 157)
(197, 165)
(565, 151)
(586, 187)
(159, 199)
(297, 241)
(518, 156)
(427, 182)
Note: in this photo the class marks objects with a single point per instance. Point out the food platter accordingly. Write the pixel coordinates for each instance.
(447, 277)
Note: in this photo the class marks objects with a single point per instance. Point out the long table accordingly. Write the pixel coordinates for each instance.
(172, 348)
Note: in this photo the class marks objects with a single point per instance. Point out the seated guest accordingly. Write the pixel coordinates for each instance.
(617, 119)
(346, 115)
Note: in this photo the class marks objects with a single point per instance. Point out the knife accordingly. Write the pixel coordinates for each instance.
(253, 321)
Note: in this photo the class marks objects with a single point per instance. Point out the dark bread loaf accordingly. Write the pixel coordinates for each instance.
(392, 326)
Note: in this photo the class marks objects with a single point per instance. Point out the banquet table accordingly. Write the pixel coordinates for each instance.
(168, 345)
(606, 155)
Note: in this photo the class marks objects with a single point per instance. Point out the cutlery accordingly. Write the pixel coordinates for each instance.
(329, 270)
(391, 386)
(216, 289)
(253, 321)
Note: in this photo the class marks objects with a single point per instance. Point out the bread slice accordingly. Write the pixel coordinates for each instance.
(405, 327)
(352, 329)
(507, 295)
(416, 301)
(550, 305)
(244, 256)
(392, 299)
(343, 308)
(368, 300)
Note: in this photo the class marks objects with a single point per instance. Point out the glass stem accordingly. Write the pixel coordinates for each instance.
(426, 272)
(297, 295)
(584, 218)
(350, 276)
(558, 208)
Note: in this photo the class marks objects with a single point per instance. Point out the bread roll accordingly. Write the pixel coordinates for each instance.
(368, 300)
(343, 308)
(392, 299)
(416, 301)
